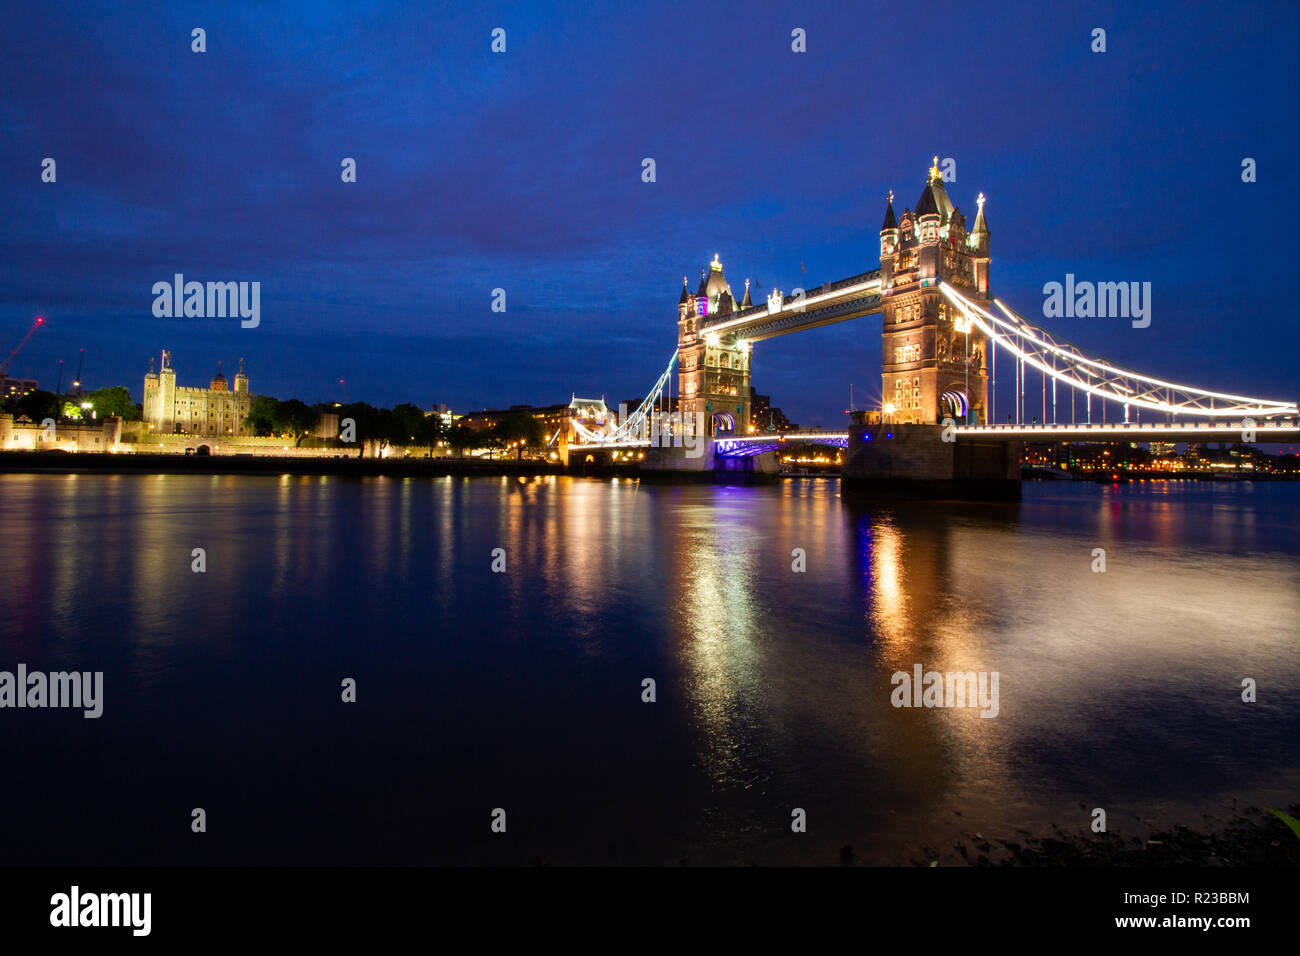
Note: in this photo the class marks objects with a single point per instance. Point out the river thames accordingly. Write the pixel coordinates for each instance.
(522, 689)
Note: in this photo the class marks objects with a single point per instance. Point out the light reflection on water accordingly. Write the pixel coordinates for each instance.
(1119, 689)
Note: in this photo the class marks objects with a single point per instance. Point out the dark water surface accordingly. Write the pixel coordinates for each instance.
(522, 690)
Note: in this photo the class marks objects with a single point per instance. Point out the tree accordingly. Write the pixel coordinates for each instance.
(37, 405)
(367, 419)
(261, 415)
(520, 430)
(295, 418)
(406, 425)
(114, 400)
(460, 438)
(434, 429)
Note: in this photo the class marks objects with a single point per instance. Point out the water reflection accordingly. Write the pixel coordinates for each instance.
(773, 682)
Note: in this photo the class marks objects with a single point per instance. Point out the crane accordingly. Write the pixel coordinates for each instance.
(40, 320)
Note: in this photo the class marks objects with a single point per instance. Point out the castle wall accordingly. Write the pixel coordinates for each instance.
(101, 435)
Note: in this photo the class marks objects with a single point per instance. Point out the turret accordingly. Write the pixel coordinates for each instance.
(979, 235)
(889, 231)
(712, 284)
(979, 247)
(934, 208)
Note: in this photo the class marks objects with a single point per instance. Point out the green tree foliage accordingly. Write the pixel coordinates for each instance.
(295, 418)
(406, 425)
(37, 405)
(460, 438)
(261, 415)
(521, 431)
(114, 400)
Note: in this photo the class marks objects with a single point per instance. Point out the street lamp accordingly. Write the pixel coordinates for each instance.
(963, 324)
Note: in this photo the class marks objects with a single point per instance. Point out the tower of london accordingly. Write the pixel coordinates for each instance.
(216, 410)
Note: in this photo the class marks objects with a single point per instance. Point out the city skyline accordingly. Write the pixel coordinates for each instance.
(532, 184)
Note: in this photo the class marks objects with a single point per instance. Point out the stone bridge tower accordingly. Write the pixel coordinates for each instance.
(713, 368)
(931, 367)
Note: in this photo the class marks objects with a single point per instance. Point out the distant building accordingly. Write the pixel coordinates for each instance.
(445, 415)
(764, 418)
(487, 419)
(592, 412)
(215, 410)
(16, 387)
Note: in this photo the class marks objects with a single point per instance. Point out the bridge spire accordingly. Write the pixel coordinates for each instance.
(890, 221)
(980, 225)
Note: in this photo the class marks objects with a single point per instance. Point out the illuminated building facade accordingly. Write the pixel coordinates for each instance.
(932, 365)
(215, 410)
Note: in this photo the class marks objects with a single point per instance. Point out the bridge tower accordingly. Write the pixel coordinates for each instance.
(932, 366)
(713, 369)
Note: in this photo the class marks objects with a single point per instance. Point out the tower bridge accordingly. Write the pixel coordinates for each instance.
(941, 330)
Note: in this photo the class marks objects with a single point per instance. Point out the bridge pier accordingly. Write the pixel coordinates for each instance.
(928, 461)
(704, 464)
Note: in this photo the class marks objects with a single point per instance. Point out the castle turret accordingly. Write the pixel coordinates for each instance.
(241, 380)
(712, 284)
(978, 242)
(934, 208)
(889, 231)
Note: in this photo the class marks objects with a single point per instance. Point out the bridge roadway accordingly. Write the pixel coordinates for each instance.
(1266, 432)
(1281, 432)
(827, 304)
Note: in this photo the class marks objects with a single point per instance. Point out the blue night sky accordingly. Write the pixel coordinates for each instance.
(522, 171)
